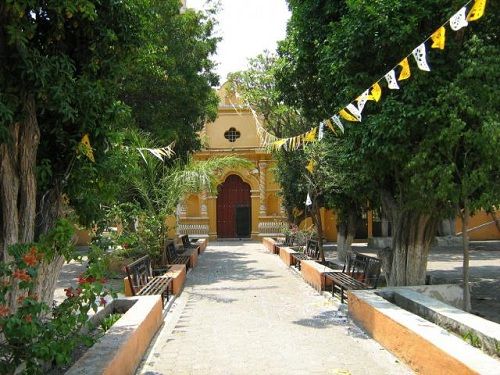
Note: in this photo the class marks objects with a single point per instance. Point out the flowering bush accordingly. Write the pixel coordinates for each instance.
(294, 235)
(34, 336)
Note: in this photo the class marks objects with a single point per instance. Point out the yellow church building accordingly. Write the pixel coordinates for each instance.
(247, 203)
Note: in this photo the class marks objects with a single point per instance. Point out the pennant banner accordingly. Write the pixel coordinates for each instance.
(477, 10)
(392, 82)
(86, 148)
(353, 112)
(420, 58)
(458, 20)
(405, 70)
(439, 38)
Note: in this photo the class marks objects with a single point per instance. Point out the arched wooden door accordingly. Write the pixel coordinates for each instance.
(233, 208)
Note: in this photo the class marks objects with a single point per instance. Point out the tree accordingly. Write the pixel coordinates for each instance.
(58, 61)
(393, 147)
(169, 82)
(473, 136)
(62, 67)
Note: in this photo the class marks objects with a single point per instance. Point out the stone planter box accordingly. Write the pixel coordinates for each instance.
(269, 244)
(202, 243)
(423, 345)
(285, 255)
(122, 347)
(313, 272)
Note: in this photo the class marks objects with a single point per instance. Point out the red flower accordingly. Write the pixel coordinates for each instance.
(103, 302)
(4, 310)
(28, 318)
(20, 300)
(31, 258)
(78, 291)
(21, 275)
(69, 292)
(85, 280)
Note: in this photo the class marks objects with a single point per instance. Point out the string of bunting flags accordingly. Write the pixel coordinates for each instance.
(161, 153)
(400, 72)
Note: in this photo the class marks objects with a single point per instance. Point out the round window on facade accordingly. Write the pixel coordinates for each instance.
(232, 134)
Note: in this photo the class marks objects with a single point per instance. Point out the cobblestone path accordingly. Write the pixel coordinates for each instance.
(243, 312)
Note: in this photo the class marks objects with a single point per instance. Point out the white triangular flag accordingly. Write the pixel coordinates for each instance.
(459, 20)
(308, 200)
(392, 82)
(321, 132)
(336, 121)
(363, 98)
(354, 111)
(419, 54)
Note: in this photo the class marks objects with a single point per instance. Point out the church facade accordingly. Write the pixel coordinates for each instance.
(247, 203)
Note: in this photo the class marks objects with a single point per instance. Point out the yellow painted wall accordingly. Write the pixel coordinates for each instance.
(487, 232)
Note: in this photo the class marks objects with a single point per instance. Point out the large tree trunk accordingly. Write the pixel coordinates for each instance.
(18, 185)
(316, 218)
(412, 235)
(465, 242)
(18, 199)
(345, 235)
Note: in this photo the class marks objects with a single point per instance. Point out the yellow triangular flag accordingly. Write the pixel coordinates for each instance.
(329, 123)
(347, 116)
(477, 10)
(439, 38)
(278, 144)
(376, 92)
(292, 143)
(310, 136)
(405, 70)
(310, 166)
(86, 148)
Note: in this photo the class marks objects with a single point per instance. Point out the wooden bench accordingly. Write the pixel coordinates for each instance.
(170, 256)
(311, 252)
(189, 244)
(360, 272)
(143, 283)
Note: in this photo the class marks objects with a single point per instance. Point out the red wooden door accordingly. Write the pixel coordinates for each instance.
(232, 194)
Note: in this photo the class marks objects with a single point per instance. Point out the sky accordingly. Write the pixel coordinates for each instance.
(247, 28)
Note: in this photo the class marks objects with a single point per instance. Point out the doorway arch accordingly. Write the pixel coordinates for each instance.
(234, 208)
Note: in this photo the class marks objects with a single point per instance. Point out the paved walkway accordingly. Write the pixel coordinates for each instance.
(243, 312)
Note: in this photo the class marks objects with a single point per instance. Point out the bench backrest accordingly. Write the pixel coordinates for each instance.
(170, 252)
(312, 249)
(138, 273)
(185, 241)
(363, 268)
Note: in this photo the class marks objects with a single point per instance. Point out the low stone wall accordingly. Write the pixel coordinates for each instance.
(285, 255)
(424, 346)
(313, 272)
(121, 349)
